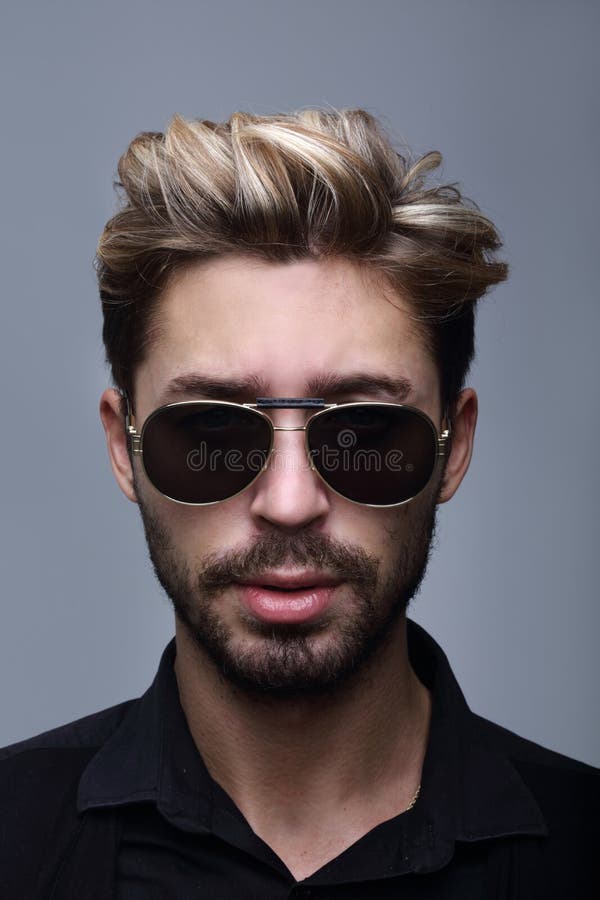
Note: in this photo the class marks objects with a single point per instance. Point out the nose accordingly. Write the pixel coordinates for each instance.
(289, 494)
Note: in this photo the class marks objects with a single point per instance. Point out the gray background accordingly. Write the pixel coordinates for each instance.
(507, 93)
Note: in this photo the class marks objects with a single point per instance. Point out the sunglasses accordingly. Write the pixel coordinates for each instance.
(203, 451)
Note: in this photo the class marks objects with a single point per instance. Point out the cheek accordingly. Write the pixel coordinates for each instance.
(200, 531)
(387, 534)
(377, 531)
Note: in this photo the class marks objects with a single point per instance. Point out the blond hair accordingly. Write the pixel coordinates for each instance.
(310, 184)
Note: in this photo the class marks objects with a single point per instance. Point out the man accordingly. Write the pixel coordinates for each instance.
(288, 317)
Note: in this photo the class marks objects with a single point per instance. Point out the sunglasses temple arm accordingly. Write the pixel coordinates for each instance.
(444, 438)
(130, 429)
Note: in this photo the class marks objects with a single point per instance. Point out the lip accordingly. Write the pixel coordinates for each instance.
(291, 580)
(276, 605)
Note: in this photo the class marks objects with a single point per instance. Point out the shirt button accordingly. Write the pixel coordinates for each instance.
(303, 893)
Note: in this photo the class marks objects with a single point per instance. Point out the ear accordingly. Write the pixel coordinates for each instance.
(116, 441)
(463, 434)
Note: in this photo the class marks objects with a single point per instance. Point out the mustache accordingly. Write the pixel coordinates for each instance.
(277, 550)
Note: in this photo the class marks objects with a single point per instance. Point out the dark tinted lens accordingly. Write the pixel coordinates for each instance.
(204, 452)
(374, 454)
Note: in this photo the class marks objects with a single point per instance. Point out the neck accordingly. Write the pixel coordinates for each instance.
(281, 762)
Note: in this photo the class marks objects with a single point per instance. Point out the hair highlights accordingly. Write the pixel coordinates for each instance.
(286, 187)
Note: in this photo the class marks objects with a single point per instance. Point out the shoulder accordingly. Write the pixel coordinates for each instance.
(529, 754)
(76, 740)
(87, 732)
(567, 793)
(46, 767)
(39, 778)
(566, 789)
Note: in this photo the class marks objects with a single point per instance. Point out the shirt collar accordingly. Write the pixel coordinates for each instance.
(152, 757)
(470, 789)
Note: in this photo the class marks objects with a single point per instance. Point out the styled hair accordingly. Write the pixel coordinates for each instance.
(312, 184)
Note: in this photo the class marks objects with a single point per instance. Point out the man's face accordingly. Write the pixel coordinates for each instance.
(286, 324)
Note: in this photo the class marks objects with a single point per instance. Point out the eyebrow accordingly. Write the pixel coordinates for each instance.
(326, 385)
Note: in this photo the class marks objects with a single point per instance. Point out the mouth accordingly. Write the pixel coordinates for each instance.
(292, 581)
(288, 597)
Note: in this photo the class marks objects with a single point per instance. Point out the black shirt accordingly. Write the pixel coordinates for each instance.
(120, 804)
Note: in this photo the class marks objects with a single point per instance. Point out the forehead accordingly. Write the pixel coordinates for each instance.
(286, 323)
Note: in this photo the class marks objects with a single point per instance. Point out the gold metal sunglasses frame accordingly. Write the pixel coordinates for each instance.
(136, 438)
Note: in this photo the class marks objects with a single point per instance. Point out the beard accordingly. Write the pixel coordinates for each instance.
(292, 661)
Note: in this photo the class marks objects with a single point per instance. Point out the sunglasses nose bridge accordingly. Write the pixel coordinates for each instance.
(296, 428)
